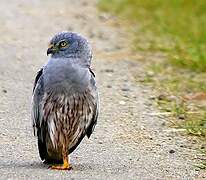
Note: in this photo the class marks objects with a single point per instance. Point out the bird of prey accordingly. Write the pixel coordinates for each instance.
(65, 99)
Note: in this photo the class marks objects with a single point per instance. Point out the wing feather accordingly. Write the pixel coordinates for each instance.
(36, 112)
(39, 126)
(93, 105)
(89, 109)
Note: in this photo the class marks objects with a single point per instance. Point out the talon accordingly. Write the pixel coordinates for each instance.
(66, 165)
(61, 167)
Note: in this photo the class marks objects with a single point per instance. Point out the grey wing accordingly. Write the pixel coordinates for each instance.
(38, 75)
(39, 125)
(93, 102)
(90, 108)
(36, 112)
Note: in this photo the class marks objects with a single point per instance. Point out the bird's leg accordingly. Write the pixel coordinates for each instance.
(66, 165)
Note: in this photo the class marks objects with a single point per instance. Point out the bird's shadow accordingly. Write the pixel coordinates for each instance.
(41, 165)
(33, 165)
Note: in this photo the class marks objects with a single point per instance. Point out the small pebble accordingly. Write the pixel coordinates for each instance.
(122, 102)
(202, 147)
(125, 95)
(109, 70)
(4, 91)
(150, 73)
(125, 89)
(163, 124)
(152, 97)
(183, 146)
(181, 116)
(172, 98)
(109, 86)
(145, 91)
(148, 104)
(172, 151)
(162, 97)
(142, 128)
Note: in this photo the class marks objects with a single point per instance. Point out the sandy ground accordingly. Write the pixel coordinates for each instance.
(128, 142)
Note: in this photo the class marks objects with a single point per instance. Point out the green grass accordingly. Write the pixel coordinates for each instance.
(178, 81)
(177, 27)
(195, 126)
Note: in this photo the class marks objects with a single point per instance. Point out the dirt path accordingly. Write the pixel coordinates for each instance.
(128, 143)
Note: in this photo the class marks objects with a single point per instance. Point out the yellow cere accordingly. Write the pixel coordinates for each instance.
(50, 45)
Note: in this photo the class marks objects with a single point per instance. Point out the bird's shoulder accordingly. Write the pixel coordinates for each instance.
(92, 72)
(38, 75)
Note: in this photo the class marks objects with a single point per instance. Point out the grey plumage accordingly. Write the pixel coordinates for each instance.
(65, 98)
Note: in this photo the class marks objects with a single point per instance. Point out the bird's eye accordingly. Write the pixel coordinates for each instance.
(63, 44)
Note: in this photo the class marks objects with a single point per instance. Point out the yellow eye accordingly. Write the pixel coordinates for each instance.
(63, 44)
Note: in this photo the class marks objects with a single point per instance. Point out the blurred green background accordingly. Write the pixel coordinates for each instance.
(176, 29)
(181, 22)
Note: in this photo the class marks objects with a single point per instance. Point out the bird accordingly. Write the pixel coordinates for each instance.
(65, 100)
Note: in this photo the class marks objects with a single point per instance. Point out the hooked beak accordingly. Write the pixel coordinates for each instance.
(51, 50)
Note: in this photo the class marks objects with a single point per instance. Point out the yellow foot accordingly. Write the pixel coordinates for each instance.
(63, 167)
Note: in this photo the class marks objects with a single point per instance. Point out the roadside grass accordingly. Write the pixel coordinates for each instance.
(173, 88)
(176, 29)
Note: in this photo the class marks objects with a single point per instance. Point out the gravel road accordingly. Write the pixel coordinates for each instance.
(128, 142)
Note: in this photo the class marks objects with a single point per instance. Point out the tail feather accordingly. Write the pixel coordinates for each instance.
(42, 146)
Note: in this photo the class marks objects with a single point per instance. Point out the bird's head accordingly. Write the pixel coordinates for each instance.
(69, 45)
